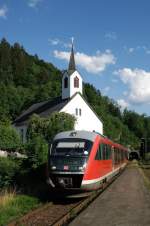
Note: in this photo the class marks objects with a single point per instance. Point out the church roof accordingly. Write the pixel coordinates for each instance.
(43, 109)
(46, 108)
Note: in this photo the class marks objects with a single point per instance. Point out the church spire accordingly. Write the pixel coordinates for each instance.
(71, 79)
(72, 66)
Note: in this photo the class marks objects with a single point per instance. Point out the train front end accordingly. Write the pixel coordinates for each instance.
(68, 159)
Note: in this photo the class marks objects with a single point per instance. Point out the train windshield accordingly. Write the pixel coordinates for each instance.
(71, 147)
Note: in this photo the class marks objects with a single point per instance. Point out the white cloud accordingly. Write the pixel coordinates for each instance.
(53, 42)
(123, 104)
(111, 35)
(137, 49)
(33, 3)
(138, 82)
(131, 50)
(57, 41)
(3, 12)
(93, 64)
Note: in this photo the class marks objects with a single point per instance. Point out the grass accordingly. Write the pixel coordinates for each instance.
(13, 206)
(145, 172)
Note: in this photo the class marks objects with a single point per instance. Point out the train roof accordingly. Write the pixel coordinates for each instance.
(76, 134)
(87, 135)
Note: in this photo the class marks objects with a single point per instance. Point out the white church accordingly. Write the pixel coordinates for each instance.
(71, 101)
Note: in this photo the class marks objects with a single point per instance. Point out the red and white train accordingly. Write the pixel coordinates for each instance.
(82, 161)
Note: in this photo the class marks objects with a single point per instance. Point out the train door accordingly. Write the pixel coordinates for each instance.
(113, 157)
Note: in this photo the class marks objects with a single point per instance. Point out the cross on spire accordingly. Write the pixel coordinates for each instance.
(72, 66)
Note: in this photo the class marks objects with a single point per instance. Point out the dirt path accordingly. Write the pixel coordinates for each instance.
(125, 203)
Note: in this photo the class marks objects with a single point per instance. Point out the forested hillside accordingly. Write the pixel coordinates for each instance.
(26, 79)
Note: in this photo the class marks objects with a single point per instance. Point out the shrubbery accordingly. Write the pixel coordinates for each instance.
(41, 132)
(49, 127)
(9, 138)
(8, 169)
(37, 151)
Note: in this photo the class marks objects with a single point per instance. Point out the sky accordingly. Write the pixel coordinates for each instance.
(111, 41)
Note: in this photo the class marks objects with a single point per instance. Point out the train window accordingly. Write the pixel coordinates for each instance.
(99, 154)
(97, 157)
(108, 152)
(119, 155)
(122, 155)
(71, 147)
(116, 155)
(102, 147)
(103, 152)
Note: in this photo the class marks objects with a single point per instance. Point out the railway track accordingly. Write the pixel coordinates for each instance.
(58, 212)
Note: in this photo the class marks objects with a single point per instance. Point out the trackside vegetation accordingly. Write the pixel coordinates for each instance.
(28, 175)
(12, 206)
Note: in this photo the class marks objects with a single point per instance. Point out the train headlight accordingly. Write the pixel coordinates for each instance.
(82, 168)
(53, 167)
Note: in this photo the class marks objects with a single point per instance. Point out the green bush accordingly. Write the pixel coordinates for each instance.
(49, 127)
(37, 149)
(8, 169)
(41, 132)
(9, 138)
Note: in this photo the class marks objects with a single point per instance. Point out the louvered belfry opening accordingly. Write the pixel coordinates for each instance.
(76, 82)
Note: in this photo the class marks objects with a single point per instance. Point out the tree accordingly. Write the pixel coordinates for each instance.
(49, 127)
(9, 138)
(37, 151)
(8, 169)
(5, 62)
(41, 132)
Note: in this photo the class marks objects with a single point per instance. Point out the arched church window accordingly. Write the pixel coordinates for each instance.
(76, 82)
(66, 82)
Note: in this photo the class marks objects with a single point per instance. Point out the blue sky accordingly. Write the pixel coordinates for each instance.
(112, 41)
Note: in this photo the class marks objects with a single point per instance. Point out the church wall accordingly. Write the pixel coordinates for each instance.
(88, 119)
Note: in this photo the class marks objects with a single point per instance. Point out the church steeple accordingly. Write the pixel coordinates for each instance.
(72, 66)
(71, 80)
